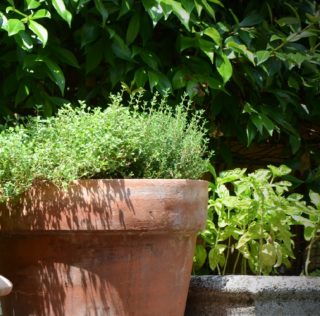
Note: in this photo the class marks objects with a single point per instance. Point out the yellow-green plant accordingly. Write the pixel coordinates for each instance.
(250, 221)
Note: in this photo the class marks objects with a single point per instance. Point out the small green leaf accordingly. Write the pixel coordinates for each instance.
(24, 40)
(209, 9)
(150, 59)
(40, 14)
(32, 4)
(153, 79)
(140, 77)
(188, 5)
(126, 6)
(39, 31)
(154, 10)
(294, 37)
(14, 26)
(133, 28)
(121, 49)
(290, 20)
(102, 10)
(215, 255)
(262, 56)
(200, 257)
(62, 11)
(224, 67)
(281, 171)
(214, 35)
(179, 11)
(187, 42)
(178, 80)
(55, 73)
(251, 133)
(309, 233)
(295, 143)
(252, 19)
(207, 48)
(192, 88)
(315, 199)
(217, 2)
(268, 255)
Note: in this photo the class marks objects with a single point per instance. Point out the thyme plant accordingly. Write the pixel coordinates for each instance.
(141, 140)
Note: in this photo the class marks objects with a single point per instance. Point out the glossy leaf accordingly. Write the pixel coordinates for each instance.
(214, 35)
(14, 26)
(32, 4)
(62, 11)
(55, 73)
(133, 28)
(40, 14)
(24, 40)
(224, 67)
(154, 10)
(179, 11)
(39, 31)
(207, 48)
(262, 56)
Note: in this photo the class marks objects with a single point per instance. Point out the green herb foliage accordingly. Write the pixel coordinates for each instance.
(250, 220)
(141, 141)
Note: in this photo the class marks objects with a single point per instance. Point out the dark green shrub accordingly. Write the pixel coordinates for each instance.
(252, 65)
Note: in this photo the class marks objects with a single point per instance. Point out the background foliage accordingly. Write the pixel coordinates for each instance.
(253, 66)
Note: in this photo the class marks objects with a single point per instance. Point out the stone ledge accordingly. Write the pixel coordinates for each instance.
(253, 295)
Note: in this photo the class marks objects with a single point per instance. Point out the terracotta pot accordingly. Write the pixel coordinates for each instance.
(102, 247)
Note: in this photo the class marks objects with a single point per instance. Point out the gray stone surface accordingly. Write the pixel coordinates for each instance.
(253, 295)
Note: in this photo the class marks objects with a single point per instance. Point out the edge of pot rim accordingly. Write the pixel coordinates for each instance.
(109, 205)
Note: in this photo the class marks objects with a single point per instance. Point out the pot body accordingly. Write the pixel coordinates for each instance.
(102, 247)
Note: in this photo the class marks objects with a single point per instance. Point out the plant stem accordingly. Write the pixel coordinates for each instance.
(227, 256)
(306, 267)
(236, 263)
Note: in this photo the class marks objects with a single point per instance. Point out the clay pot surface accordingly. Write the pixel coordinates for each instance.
(101, 247)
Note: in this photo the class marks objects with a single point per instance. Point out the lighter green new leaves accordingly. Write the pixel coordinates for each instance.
(39, 31)
(62, 11)
(262, 56)
(40, 14)
(13, 26)
(224, 67)
(179, 11)
(251, 216)
(214, 35)
(32, 4)
(315, 199)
